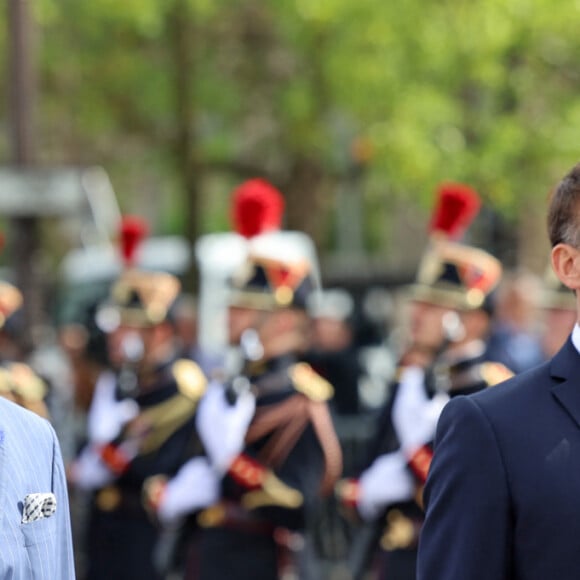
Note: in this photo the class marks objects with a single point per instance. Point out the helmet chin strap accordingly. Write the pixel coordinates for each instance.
(251, 345)
(133, 350)
(453, 328)
(453, 332)
(252, 351)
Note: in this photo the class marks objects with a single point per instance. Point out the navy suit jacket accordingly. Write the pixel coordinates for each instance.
(503, 493)
(30, 462)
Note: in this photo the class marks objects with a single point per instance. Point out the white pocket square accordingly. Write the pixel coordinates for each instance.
(38, 506)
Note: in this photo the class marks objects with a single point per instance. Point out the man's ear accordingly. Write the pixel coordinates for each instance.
(566, 264)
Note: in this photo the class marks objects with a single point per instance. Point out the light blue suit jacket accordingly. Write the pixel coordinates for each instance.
(31, 462)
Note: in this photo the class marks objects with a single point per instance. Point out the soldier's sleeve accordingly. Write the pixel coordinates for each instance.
(285, 494)
(492, 374)
(467, 531)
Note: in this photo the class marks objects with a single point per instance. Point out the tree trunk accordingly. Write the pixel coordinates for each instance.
(181, 35)
(305, 192)
(25, 243)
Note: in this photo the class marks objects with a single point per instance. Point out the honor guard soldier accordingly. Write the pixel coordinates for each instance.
(18, 382)
(141, 422)
(275, 462)
(449, 321)
(256, 208)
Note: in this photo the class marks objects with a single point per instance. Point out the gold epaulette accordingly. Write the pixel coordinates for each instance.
(494, 373)
(162, 420)
(27, 389)
(308, 382)
(190, 379)
(6, 381)
(26, 383)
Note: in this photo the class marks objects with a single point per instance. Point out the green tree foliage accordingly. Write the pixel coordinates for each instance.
(311, 93)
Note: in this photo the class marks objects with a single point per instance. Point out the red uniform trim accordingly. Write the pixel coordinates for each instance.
(420, 462)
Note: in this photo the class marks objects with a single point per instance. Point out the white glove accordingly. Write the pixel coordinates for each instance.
(385, 482)
(107, 416)
(415, 415)
(221, 426)
(196, 485)
(88, 471)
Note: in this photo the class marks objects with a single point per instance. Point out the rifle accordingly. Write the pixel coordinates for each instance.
(364, 547)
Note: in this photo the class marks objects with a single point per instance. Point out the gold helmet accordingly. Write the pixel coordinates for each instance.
(138, 297)
(454, 274)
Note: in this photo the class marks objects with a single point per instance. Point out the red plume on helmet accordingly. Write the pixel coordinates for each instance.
(131, 233)
(257, 207)
(455, 209)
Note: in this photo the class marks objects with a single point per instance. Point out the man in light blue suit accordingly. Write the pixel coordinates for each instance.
(35, 532)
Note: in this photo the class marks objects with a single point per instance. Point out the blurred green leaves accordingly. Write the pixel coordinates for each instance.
(472, 90)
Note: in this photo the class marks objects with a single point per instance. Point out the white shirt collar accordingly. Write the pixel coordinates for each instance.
(576, 337)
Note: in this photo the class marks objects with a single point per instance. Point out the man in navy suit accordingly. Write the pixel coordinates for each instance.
(503, 492)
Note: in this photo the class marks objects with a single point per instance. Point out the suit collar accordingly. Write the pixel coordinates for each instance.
(565, 368)
(566, 361)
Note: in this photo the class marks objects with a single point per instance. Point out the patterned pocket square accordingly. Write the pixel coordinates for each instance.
(38, 506)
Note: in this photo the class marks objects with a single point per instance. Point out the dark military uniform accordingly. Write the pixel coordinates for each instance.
(122, 536)
(453, 280)
(141, 422)
(291, 457)
(397, 530)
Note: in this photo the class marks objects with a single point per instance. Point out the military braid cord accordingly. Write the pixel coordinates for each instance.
(286, 421)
